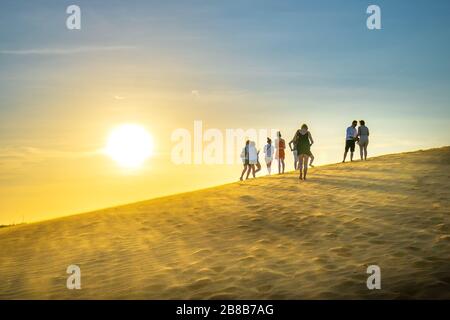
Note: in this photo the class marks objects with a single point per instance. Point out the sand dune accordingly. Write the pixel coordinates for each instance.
(272, 237)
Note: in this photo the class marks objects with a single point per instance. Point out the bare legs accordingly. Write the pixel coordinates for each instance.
(300, 165)
(363, 151)
(246, 166)
(281, 166)
(269, 167)
(345, 156)
(258, 168)
(303, 166)
(295, 162)
(311, 157)
(252, 170)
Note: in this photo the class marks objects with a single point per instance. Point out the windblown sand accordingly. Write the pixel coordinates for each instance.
(273, 237)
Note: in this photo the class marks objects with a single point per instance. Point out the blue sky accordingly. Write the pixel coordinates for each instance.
(251, 64)
(258, 46)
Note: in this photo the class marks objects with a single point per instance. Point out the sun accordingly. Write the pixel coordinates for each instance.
(130, 145)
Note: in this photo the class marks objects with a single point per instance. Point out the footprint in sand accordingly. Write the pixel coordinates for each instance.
(444, 238)
(206, 271)
(399, 254)
(218, 269)
(200, 283)
(330, 266)
(421, 263)
(264, 288)
(247, 198)
(443, 227)
(341, 251)
(371, 234)
(222, 296)
(248, 259)
(329, 235)
(258, 252)
(202, 252)
(256, 220)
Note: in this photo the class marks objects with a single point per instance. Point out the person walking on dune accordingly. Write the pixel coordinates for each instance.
(293, 146)
(304, 141)
(350, 139)
(268, 152)
(252, 158)
(258, 164)
(363, 139)
(244, 158)
(280, 145)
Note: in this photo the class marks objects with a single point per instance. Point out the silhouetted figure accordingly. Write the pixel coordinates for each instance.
(244, 157)
(293, 146)
(268, 152)
(363, 139)
(304, 142)
(252, 158)
(350, 140)
(280, 145)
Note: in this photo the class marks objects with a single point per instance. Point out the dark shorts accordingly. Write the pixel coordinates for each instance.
(350, 144)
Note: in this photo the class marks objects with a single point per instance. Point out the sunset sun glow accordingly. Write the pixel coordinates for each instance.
(130, 145)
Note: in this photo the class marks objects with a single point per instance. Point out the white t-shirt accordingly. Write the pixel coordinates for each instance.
(268, 150)
(252, 153)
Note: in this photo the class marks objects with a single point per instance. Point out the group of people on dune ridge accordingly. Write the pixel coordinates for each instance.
(300, 146)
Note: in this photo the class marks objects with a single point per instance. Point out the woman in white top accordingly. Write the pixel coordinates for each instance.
(363, 139)
(252, 158)
(268, 151)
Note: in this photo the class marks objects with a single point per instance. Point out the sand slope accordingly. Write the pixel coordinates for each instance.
(273, 237)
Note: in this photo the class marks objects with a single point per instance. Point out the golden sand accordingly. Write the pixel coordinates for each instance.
(273, 237)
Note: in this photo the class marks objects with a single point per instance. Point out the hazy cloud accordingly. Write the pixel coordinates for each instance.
(64, 51)
(19, 155)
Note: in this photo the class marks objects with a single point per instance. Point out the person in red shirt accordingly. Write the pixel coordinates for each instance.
(280, 145)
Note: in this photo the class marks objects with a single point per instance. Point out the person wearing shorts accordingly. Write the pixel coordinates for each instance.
(268, 152)
(244, 158)
(350, 140)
